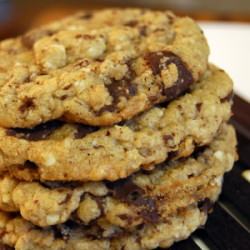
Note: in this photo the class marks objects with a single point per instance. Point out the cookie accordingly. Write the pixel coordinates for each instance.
(99, 70)
(24, 236)
(143, 198)
(58, 151)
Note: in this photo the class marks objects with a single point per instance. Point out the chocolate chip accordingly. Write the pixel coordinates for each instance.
(205, 205)
(198, 106)
(132, 88)
(60, 184)
(121, 88)
(40, 132)
(159, 61)
(172, 155)
(150, 213)
(63, 97)
(131, 23)
(117, 89)
(83, 130)
(62, 231)
(28, 103)
(199, 150)
(125, 190)
(128, 192)
(30, 165)
(29, 39)
(227, 98)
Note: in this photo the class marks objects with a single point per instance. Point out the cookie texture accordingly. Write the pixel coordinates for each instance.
(72, 152)
(99, 70)
(24, 236)
(143, 198)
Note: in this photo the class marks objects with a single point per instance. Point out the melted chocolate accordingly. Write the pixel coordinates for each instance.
(120, 88)
(40, 132)
(128, 192)
(83, 130)
(131, 23)
(157, 63)
(198, 106)
(60, 184)
(30, 165)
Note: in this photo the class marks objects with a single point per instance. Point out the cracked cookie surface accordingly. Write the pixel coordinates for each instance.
(130, 59)
(58, 151)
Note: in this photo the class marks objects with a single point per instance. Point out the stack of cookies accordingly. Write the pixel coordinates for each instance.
(113, 133)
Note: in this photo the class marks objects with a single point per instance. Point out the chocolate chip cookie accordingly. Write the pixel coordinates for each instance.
(70, 152)
(22, 235)
(144, 198)
(99, 70)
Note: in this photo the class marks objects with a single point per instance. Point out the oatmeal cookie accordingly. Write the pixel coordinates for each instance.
(99, 70)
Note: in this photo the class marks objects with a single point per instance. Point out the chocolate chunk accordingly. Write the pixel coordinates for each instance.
(198, 106)
(159, 61)
(62, 231)
(60, 184)
(40, 132)
(205, 205)
(120, 88)
(131, 23)
(172, 155)
(227, 98)
(128, 192)
(117, 89)
(83, 130)
(30, 165)
(125, 190)
(199, 150)
(29, 39)
(28, 103)
(150, 214)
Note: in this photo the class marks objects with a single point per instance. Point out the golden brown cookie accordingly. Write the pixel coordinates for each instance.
(56, 151)
(143, 198)
(99, 70)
